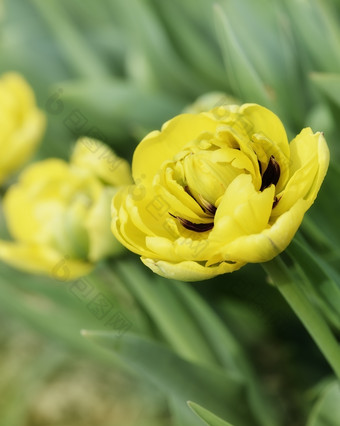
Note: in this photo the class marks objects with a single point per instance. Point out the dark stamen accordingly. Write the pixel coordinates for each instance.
(208, 207)
(276, 200)
(272, 174)
(204, 204)
(197, 227)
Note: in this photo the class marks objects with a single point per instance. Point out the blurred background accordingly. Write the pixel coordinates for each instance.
(115, 70)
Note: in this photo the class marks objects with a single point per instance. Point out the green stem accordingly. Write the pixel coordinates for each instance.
(307, 313)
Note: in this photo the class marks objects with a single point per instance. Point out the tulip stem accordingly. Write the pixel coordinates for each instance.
(307, 313)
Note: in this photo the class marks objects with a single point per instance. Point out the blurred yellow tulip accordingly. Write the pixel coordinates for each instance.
(59, 213)
(22, 124)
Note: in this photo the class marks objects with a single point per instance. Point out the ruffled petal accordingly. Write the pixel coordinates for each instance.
(309, 164)
(189, 270)
(43, 260)
(158, 147)
(270, 242)
(265, 122)
(93, 155)
(242, 210)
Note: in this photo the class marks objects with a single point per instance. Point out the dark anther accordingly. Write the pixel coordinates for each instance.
(276, 200)
(207, 207)
(197, 227)
(272, 174)
(204, 204)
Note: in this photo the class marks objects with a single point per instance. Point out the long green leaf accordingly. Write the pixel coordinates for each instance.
(217, 390)
(113, 108)
(230, 354)
(326, 411)
(321, 282)
(240, 71)
(168, 313)
(206, 415)
(328, 84)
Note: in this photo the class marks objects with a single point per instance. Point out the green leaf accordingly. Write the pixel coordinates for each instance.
(168, 312)
(181, 415)
(328, 84)
(82, 60)
(241, 72)
(319, 280)
(218, 390)
(147, 35)
(326, 411)
(193, 43)
(317, 27)
(113, 108)
(210, 418)
(230, 354)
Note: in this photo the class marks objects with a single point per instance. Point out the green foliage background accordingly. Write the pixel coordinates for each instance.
(118, 69)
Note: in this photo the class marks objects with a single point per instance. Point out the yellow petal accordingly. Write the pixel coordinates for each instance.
(265, 122)
(98, 223)
(123, 227)
(158, 147)
(309, 164)
(21, 123)
(270, 242)
(42, 260)
(94, 155)
(189, 270)
(242, 210)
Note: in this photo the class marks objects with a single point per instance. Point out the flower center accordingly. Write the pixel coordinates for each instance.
(201, 176)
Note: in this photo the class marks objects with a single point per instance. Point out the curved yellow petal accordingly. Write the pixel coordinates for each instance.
(158, 147)
(265, 122)
(309, 164)
(123, 228)
(189, 270)
(270, 242)
(97, 157)
(22, 143)
(242, 210)
(98, 224)
(43, 260)
(22, 124)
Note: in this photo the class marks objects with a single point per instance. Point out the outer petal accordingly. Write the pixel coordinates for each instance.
(22, 143)
(269, 243)
(242, 211)
(42, 260)
(21, 123)
(101, 241)
(158, 147)
(93, 155)
(266, 122)
(124, 228)
(309, 164)
(189, 270)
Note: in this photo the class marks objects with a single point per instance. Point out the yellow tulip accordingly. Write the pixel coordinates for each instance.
(59, 213)
(216, 190)
(22, 124)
